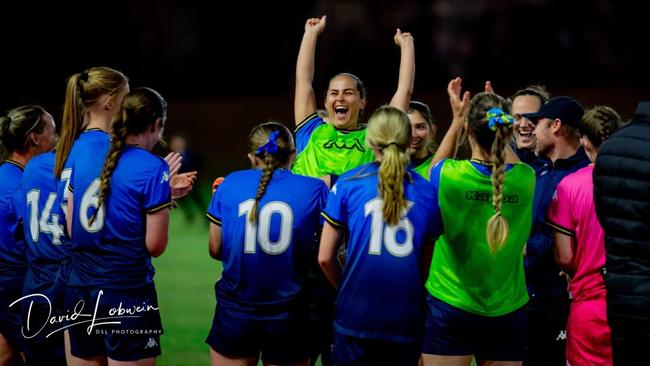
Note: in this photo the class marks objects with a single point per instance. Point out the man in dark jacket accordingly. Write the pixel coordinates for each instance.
(622, 198)
(559, 154)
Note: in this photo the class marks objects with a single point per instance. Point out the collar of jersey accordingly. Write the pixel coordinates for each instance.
(21, 166)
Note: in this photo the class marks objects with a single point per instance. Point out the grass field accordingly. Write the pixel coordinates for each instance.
(185, 277)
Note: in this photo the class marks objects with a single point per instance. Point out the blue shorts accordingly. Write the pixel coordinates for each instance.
(450, 331)
(280, 341)
(136, 337)
(348, 350)
(10, 321)
(43, 343)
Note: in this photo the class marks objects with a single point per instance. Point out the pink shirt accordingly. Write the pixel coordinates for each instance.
(572, 212)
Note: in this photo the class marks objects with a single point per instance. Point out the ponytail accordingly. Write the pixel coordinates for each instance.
(71, 124)
(118, 137)
(267, 174)
(83, 90)
(392, 171)
(389, 131)
(272, 143)
(497, 228)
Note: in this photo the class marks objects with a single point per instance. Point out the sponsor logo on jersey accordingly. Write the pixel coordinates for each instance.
(347, 145)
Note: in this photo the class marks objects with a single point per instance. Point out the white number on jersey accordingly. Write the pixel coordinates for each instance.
(91, 199)
(37, 226)
(382, 232)
(65, 177)
(260, 230)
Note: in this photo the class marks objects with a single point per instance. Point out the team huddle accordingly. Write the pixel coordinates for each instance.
(359, 243)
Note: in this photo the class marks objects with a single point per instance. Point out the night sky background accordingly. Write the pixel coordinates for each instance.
(227, 66)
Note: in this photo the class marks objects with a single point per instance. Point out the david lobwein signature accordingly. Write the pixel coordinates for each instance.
(31, 327)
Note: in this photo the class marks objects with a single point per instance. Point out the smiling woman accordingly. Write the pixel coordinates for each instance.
(323, 148)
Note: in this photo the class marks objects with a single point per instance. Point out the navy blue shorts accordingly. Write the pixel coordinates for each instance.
(450, 331)
(136, 337)
(280, 341)
(10, 320)
(348, 350)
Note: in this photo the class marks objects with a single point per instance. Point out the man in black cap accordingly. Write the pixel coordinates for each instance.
(559, 154)
(622, 198)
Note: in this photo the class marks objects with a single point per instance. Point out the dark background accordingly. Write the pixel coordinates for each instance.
(226, 66)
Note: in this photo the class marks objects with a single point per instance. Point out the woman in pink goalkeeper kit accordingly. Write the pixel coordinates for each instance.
(580, 248)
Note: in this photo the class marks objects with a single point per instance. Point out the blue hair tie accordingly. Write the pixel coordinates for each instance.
(271, 145)
(497, 117)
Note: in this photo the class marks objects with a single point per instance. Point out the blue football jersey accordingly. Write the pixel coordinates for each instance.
(265, 262)
(382, 287)
(111, 251)
(99, 141)
(43, 224)
(12, 244)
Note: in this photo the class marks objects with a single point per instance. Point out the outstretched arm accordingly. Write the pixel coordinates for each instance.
(404, 91)
(449, 144)
(305, 99)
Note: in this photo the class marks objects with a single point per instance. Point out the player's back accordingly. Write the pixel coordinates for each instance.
(265, 262)
(12, 246)
(382, 286)
(44, 222)
(110, 250)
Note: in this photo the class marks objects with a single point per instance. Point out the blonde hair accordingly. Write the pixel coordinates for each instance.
(140, 109)
(494, 141)
(83, 90)
(259, 142)
(389, 131)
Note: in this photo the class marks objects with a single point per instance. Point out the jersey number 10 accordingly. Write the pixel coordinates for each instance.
(260, 230)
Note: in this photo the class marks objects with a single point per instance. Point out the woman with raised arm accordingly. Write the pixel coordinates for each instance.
(329, 149)
(476, 286)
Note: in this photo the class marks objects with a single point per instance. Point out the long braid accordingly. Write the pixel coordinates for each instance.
(118, 136)
(267, 174)
(497, 229)
(392, 171)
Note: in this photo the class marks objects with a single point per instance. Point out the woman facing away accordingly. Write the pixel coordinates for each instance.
(119, 215)
(579, 247)
(386, 211)
(476, 286)
(263, 224)
(25, 132)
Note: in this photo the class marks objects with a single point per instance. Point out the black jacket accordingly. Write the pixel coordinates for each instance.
(622, 197)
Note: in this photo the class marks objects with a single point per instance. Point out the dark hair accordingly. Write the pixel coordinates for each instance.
(423, 109)
(494, 141)
(360, 87)
(538, 91)
(16, 126)
(259, 144)
(140, 109)
(83, 90)
(598, 123)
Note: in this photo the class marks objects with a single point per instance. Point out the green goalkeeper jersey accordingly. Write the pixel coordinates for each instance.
(324, 150)
(464, 273)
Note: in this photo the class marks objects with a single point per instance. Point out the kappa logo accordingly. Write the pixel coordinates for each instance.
(561, 336)
(352, 145)
(151, 343)
(165, 177)
(487, 197)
